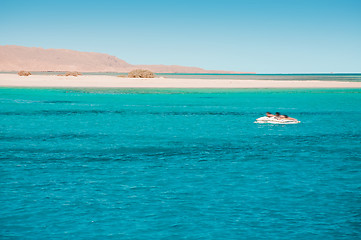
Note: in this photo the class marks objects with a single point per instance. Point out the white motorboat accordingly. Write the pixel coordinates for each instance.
(275, 120)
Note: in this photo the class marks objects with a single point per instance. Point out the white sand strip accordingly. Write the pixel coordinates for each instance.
(103, 81)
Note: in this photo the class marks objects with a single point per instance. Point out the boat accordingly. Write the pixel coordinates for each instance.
(275, 120)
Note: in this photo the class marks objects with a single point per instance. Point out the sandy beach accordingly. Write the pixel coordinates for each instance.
(105, 81)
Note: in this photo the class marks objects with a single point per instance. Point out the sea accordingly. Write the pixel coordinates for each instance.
(179, 164)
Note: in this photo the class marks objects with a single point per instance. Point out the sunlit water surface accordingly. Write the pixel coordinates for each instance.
(172, 164)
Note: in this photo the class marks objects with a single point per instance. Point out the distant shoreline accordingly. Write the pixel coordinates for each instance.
(108, 81)
(188, 73)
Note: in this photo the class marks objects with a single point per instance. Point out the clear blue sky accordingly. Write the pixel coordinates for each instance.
(264, 36)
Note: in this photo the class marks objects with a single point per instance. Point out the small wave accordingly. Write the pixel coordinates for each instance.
(60, 112)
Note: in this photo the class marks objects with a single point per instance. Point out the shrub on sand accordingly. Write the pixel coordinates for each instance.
(74, 74)
(140, 73)
(24, 73)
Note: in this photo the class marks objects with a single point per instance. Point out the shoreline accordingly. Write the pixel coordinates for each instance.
(106, 81)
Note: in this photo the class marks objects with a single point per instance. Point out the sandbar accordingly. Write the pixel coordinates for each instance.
(106, 81)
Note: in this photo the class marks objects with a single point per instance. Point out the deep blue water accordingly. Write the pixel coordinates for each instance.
(179, 164)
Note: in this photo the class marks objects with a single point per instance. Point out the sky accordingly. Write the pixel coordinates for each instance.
(263, 36)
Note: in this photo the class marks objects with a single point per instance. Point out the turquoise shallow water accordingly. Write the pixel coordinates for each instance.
(172, 164)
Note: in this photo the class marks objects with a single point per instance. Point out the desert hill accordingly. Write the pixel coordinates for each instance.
(16, 58)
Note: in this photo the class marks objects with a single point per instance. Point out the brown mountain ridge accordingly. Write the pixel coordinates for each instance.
(16, 58)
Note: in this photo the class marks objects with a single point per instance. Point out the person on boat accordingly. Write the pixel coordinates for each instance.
(277, 115)
(268, 114)
(287, 118)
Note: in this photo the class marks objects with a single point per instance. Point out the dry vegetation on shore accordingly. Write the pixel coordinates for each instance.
(24, 73)
(74, 74)
(141, 73)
